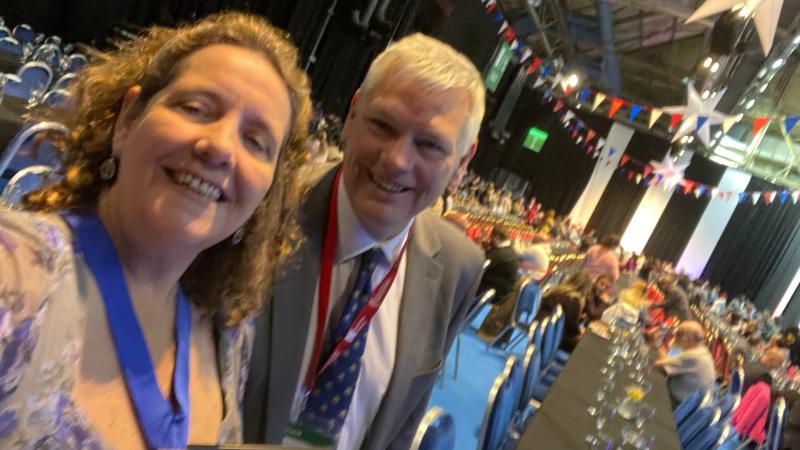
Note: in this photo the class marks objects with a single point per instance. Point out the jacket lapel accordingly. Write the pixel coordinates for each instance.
(417, 350)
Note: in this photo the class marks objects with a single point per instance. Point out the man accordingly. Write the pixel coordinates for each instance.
(675, 303)
(501, 275)
(535, 259)
(330, 375)
(771, 359)
(692, 368)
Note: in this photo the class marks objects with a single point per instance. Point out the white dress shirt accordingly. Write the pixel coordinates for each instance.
(379, 353)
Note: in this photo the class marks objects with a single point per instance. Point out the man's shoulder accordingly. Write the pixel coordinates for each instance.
(455, 247)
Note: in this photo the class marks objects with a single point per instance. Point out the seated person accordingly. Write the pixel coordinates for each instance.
(502, 273)
(772, 358)
(690, 369)
(676, 303)
(600, 298)
(535, 259)
(571, 295)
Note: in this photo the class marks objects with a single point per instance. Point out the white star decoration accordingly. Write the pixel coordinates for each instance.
(671, 173)
(694, 108)
(765, 14)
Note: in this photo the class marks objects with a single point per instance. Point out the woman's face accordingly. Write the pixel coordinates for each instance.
(602, 285)
(197, 160)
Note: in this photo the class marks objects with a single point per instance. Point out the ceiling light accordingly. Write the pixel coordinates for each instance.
(684, 139)
(572, 80)
(718, 134)
(691, 139)
(778, 63)
(744, 12)
(762, 88)
(739, 117)
(714, 67)
(706, 94)
(796, 40)
(681, 152)
(714, 94)
(707, 63)
(750, 103)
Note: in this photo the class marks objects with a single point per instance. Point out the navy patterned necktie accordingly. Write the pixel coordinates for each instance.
(329, 401)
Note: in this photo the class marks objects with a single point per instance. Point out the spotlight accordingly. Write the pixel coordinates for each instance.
(796, 40)
(750, 103)
(691, 139)
(706, 94)
(778, 63)
(572, 80)
(762, 88)
(739, 117)
(718, 134)
(714, 67)
(707, 63)
(684, 139)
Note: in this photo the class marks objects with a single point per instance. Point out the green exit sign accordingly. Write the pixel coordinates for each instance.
(535, 139)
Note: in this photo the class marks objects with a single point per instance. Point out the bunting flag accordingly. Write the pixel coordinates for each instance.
(743, 196)
(795, 196)
(601, 142)
(755, 196)
(638, 179)
(498, 16)
(790, 122)
(509, 36)
(546, 70)
(616, 104)
(784, 197)
(584, 95)
(539, 81)
(502, 28)
(569, 115)
(769, 197)
(623, 159)
(590, 134)
(674, 121)
(635, 110)
(759, 123)
(598, 99)
(630, 176)
(558, 106)
(714, 192)
(655, 113)
(579, 140)
(698, 192)
(534, 65)
(527, 53)
(491, 5)
(701, 120)
(648, 170)
(687, 187)
(548, 94)
(728, 122)
(611, 151)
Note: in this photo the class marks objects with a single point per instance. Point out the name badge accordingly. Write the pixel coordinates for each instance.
(302, 435)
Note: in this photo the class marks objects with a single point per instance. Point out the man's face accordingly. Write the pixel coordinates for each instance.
(402, 145)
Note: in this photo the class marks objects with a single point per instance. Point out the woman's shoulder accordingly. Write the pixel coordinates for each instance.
(35, 251)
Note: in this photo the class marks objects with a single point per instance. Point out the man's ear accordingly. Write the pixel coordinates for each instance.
(126, 117)
(462, 164)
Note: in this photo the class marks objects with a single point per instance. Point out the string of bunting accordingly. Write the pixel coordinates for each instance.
(545, 68)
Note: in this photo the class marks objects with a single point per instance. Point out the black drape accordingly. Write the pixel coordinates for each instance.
(683, 212)
(753, 245)
(560, 171)
(622, 196)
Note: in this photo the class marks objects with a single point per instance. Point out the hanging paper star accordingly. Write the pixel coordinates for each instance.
(697, 107)
(671, 173)
(765, 15)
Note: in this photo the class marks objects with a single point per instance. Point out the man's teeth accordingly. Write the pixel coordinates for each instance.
(198, 185)
(388, 186)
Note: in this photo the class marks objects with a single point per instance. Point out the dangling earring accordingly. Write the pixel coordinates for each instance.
(108, 169)
(238, 235)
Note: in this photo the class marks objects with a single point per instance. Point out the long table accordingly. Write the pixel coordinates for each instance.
(563, 423)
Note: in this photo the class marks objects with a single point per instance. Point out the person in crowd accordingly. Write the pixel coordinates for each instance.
(504, 203)
(571, 295)
(533, 211)
(692, 368)
(502, 273)
(548, 222)
(676, 303)
(791, 431)
(630, 264)
(770, 359)
(602, 258)
(183, 151)
(791, 337)
(588, 240)
(535, 259)
(489, 197)
(719, 304)
(395, 281)
(600, 298)
(518, 209)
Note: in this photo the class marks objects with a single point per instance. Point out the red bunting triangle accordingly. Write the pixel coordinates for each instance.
(630, 176)
(534, 65)
(590, 134)
(509, 35)
(624, 159)
(558, 106)
(758, 124)
(567, 90)
(647, 170)
(687, 187)
(616, 104)
(769, 197)
(674, 121)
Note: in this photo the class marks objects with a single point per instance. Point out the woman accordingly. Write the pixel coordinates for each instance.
(571, 295)
(600, 297)
(124, 319)
(602, 258)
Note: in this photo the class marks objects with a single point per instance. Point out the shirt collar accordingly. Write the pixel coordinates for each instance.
(354, 239)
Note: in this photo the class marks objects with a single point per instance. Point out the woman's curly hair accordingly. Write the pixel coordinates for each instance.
(227, 278)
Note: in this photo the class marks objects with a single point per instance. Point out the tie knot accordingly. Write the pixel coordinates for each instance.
(371, 258)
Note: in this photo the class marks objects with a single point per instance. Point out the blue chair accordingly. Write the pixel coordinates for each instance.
(710, 438)
(437, 431)
(4, 32)
(548, 341)
(688, 406)
(10, 45)
(35, 75)
(24, 33)
(516, 377)
(777, 421)
(535, 335)
(698, 421)
(727, 404)
(49, 54)
(58, 98)
(497, 415)
(23, 136)
(25, 181)
(64, 81)
(736, 383)
(76, 62)
(531, 364)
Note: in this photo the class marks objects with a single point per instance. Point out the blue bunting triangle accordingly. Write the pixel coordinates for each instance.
(611, 151)
(790, 122)
(784, 197)
(546, 70)
(498, 17)
(584, 95)
(579, 125)
(743, 196)
(635, 110)
(701, 120)
(548, 94)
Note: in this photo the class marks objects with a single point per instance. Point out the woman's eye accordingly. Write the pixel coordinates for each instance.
(257, 145)
(193, 109)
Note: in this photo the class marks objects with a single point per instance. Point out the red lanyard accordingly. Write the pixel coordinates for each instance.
(367, 312)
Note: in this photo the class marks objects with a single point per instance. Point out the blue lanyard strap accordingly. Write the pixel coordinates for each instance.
(162, 425)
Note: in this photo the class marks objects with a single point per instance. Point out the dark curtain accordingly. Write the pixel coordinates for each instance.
(622, 195)
(753, 246)
(560, 171)
(683, 213)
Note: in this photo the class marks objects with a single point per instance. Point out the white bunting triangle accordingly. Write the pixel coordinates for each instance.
(525, 55)
(795, 196)
(539, 81)
(654, 115)
(502, 27)
(579, 140)
(598, 99)
(714, 192)
(569, 115)
(728, 122)
(600, 143)
(755, 196)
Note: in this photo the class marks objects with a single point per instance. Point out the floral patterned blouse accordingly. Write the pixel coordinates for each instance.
(42, 324)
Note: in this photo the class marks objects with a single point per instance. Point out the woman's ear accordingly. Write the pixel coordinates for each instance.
(126, 117)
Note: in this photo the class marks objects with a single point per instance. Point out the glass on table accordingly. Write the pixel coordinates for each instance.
(599, 441)
(645, 413)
